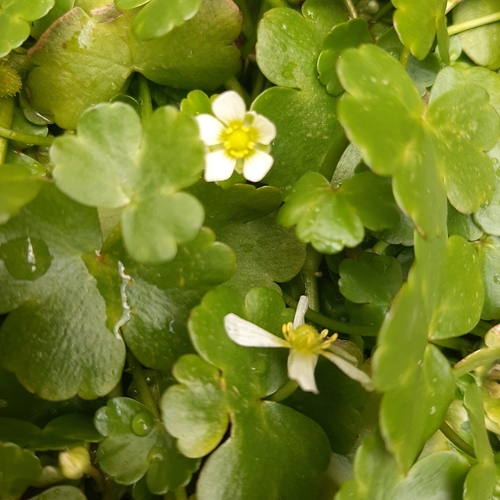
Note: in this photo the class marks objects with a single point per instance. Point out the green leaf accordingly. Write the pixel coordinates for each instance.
(241, 217)
(15, 19)
(417, 23)
(18, 469)
(145, 177)
(419, 157)
(60, 8)
(160, 298)
(49, 339)
(17, 189)
(375, 472)
(332, 217)
(480, 481)
(343, 36)
(76, 71)
(136, 445)
(309, 137)
(489, 259)
(480, 44)
(157, 18)
(61, 493)
(285, 437)
(195, 411)
(369, 284)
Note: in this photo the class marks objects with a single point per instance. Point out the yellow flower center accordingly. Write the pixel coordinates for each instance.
(239, 140)
(307, 339)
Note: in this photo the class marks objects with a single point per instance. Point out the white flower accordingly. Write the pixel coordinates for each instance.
(236, 139)
(305, 344)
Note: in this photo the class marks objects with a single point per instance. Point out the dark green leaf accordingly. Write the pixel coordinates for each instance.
(61, 493)
(56, 345)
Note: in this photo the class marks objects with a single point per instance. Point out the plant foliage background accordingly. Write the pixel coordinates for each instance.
(119, 262)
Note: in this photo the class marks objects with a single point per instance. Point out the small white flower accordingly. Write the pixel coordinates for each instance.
(236, 139)
(305, 344)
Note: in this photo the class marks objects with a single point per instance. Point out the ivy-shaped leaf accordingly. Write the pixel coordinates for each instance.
(161, 296)
(308, 134)
(419, 150)
(369, 284)
(242, 217)
(158, 18)
(113, 162)
(18, 469)
(55, 347)
(136, 444)
(343, 36)
(331, 218)
(424, 309)
(288, 443)
(17, 189)
(418, 23)
(85, 59)
(15, 19)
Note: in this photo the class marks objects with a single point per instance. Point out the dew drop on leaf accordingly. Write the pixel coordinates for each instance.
(142, 424)
(3, 403)
(496, 279)
(26, 258)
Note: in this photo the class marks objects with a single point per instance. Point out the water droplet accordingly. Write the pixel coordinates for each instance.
(3, 403)
(26, 258)
(494, 161)
(496, 279)
(142, 424)
(336, 185)
(433, 410)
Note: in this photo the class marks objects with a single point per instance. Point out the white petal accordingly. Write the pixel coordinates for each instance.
(300, 312)
(301, 369)
(350, 370)
(218, 166)
(247, 334)
(210, 129)
(343, 354)
(265, 129)
(257, 166)
(228, 107)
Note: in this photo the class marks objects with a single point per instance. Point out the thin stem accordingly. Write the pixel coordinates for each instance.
(258, 85)
(383, 11)
(474, 23)
(233, 84)
(142, 384)
(37, 140)
(180, 494)
(332, 324)
(350, 9)
(452, 436)
(97, 476)
(145, 98)
(380, 247)
(405, 55)
(6, 115)
(285, 391)
(309, 275)
(248, 27)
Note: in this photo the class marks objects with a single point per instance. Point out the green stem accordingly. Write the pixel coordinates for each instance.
(233, 84)
(405, 55)
(350, 9)
(97, 476)
(145, 98)
(452, 436)
(37, 140)
(332, 324)
(474, 23)
(309, 273)
(180, 494)
(248, 27)
(455, 344)
(258, 85)
(142, 384)
(285, 391)
(380, 247)
(6, 115)
(383, 11)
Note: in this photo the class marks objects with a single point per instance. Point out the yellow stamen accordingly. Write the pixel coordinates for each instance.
(307, 339)
(239, 140)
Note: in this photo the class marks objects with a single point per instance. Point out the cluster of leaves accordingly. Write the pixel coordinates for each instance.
(118, 262)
